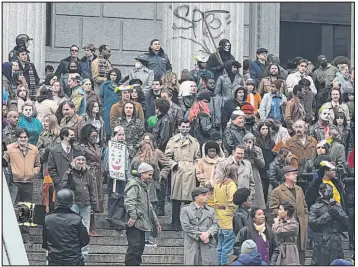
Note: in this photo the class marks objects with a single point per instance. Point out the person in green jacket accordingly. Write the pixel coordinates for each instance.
(33, 125)
(141, 214)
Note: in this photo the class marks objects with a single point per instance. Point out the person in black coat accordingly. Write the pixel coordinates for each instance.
(326, 174)
(163, 129)
(64, 234)
(265, 142)
(260, 232)
(201, 125)
(274, 172)
(328, 220)
(63, 66)
(242, 200)
(213, 64)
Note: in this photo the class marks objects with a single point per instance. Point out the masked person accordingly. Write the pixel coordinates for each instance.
(327, 219)
(320, 129)
(64, 233)
(183, 151)
(141, 71)
(224, 52)
(60, 156)
(227, 82)
(141, 214)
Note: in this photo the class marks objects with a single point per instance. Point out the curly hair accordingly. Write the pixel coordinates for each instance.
(146, 152)
(85, 133)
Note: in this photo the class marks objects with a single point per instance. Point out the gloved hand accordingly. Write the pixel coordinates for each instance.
(334, 213)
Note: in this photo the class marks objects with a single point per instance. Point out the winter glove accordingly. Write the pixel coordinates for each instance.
(334, 213)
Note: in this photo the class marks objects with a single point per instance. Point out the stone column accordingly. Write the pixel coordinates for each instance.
(184, 37)
(352, 34)
(28, 18)
(265, 27)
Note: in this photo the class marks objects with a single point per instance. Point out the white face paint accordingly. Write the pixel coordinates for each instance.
(325, 115)
(227, 47)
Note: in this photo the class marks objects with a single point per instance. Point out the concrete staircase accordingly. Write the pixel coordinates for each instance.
(111, 248)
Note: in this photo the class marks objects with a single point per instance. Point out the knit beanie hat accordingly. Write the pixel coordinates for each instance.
(248, 247)
(211, 144)
(248, 109)
(320, 57)
(145, 167)
(78, 153)
(249, 136)
(215, 135)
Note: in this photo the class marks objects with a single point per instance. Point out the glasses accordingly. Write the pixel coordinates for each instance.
(74, 50)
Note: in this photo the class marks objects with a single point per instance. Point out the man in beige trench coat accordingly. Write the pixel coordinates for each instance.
(200, 226)
(183, 151)
(292, 193)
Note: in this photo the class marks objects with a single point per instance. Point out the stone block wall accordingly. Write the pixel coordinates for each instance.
(104, 23)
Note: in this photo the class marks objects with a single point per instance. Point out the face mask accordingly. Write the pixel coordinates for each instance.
(72, 140)
(324, 63)
(138, 65)
(327, 193)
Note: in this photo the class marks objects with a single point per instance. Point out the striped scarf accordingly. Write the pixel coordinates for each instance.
(32, 85)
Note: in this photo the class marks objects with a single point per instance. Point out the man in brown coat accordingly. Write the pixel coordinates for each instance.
(24, 160)
(71, 119)
(291, 192)
(294, 108)
(302, 145)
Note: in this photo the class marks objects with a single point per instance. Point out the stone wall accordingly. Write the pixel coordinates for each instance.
(127, 28)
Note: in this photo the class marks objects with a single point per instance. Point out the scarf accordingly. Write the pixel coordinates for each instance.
(32, 85)
(102, 66)
(198, 107)
(261, 229)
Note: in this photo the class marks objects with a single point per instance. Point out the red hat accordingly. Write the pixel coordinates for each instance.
(248, 109)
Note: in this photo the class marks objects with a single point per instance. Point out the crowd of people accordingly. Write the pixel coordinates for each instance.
(262, 157)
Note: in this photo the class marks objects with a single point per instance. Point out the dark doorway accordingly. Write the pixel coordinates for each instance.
(299, 39)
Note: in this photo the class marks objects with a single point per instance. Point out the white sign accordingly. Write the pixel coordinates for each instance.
(117, 160)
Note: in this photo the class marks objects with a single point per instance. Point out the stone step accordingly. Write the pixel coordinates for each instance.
(121, 241)
(101, 223)
(116, 258)
(99, 249)
(42, 263)
(114, 233)
(347, 253)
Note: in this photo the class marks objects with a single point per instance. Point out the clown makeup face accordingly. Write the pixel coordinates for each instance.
(325, 115)
(27, 111)
(227, 47)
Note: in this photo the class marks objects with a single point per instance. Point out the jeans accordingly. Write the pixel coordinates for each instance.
(147, 234)
(136, 244)
(85, 213)
(226, 240)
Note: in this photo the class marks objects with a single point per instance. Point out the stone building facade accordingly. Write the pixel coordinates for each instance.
(128, 28)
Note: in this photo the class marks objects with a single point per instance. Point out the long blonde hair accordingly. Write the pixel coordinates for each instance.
(53, 126)
(167, 80)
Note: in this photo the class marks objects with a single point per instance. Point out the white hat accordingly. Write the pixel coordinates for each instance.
(202, 59)
(144, 167)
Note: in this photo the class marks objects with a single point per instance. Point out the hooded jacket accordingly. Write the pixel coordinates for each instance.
(227, 82)
(213, 63)
(252, 259)
(230, 105)
(159, 62)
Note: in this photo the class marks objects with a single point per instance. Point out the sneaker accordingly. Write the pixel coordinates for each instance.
(150, 244)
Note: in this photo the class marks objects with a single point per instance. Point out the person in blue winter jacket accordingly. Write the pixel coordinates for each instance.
(249, 255)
